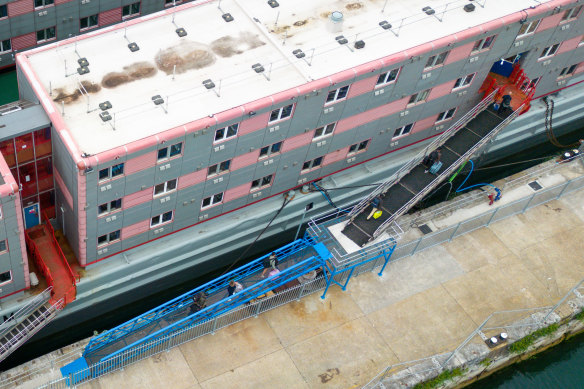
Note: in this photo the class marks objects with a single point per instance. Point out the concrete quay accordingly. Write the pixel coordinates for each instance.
(423, 305)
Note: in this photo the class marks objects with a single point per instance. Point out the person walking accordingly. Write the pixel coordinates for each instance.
(375, 204)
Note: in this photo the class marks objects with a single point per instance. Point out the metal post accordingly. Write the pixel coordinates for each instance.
(344, 287)
(492, 216)
(454, 233)
(258, 309)
(300, 225)
(387, 257)
(301, 292)
(214, 326)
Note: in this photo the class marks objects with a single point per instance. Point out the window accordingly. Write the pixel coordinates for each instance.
(321, 132)
(5, 46)
(419, 97)
(109, 207)
(436, 60)
(549, 51)
(528, 28)
(446, 115)
(212, 200)
(5, 277)
(3, 246)
(403, 130)
(88, 22)
(387, 77)
(312, 164)
(337, 94)
(111, 172)
(43, 3)
(281, 113)
(157, 220)
(572, 13)
(568, 71)
(219, 168)
(3, 11)
(226, 132)
(358, 147)
(168, 3)
(108, 238)
(45, 34)
(463, 81)
(267, 151)
(165, 187)
(483, 44)
(261, 182)
(169, 152)
(131, 10)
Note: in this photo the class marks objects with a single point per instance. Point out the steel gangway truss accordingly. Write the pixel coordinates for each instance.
(411, 183)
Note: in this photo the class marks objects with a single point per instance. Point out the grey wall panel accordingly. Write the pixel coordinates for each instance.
(25, 91)
(249, 142)
(216, 185)
(314, 150)
(107, 250)
(168, 170)
(164, 203)
(186, 215)
(242, 176)
(139, 181)
(191, 192)
(111, 190)
(357, 104)
(222, 154)
(45, 17)
(234, 204)
(88, 9)
(262, 169)
(210, 212)
(5, 29)
(311, 109)
(137, 214)
(273, 135)
(22, 24)
(134, 240)
(338, 141)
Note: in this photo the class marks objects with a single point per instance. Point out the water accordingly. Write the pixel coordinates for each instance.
(8, 86)
(559, 367)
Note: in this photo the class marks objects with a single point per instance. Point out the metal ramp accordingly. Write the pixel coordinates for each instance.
(26, 322)
(295, 259)
(410, 184)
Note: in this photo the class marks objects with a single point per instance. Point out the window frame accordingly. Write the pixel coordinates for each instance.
(280, 112)
(44, 31)
(212, 202)
(5, 249)
(327, 130)
(568, 71)
(168, 154)
(311, 164)
(109, 207)
(110, 175)
(161, 220)
(545, 54)
(108, 238)
(260, 184)
(529, 30)
(89, 18)
(5, 7)
(479, 45)
(357, 149)
(465, 82)
(220, 168)
(270, 150)
(165, 189)
(437, 60)
(9, 280)
(44, 5)
(2, 50)
(226, 135)
(132, 15)
(569, 14)
(385, 81)
(402, 131)
(446, 116)
(170, 3)
(415, 98)
(344, 91)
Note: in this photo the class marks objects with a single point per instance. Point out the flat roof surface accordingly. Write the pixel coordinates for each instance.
(224, 52)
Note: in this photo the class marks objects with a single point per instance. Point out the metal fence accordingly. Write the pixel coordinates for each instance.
(403, 250)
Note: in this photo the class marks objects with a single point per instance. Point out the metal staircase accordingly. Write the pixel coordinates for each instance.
(410, 184)
(26, 322)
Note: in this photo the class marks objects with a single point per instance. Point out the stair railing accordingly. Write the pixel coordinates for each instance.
(25, 311)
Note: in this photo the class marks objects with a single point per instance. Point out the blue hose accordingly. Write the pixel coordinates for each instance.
(460, 188)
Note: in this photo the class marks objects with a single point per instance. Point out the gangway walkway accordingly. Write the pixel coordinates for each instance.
(295, 259)
(411, 183)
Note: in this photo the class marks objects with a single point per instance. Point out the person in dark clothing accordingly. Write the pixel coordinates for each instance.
(505, 104)
(233, 288)
(270, 263)
(375, 204)
(199, 302)
(431, 159)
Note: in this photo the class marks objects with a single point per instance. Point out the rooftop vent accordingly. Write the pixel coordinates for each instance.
(335, 23)
(83, 62)
(258, 68)
(273, 3)
(299, 53)
(342, 40)
(359, 44)
(105, 105)
(157, 100)
(105, 116)
(83, 70)
(469, 7)
(181, 32)
(134, 46)
(227, 17)
(429, 10)
(385, 24)
(209, 84)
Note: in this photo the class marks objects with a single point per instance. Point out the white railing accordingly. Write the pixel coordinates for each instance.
(25, 311)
